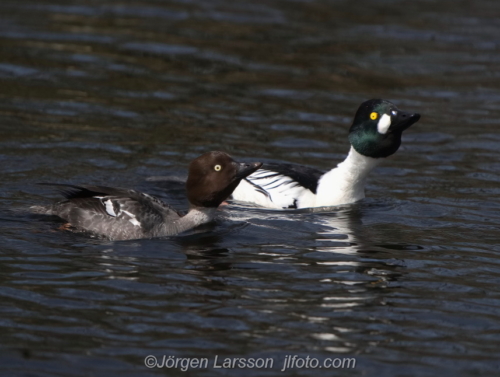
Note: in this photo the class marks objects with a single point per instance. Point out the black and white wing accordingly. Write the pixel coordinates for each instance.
(114, 212)
(280, 186)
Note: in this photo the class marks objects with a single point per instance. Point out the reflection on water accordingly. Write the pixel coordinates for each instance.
(126, 94)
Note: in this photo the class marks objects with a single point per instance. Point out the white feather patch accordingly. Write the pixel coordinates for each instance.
(383, 124)
(270, 189)
(132, 219)
(269, 180)
(109, 208)
(135, 222)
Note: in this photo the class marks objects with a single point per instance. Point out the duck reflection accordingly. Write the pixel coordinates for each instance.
(371, 259)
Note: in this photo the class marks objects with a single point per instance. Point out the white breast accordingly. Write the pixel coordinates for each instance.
(345, 183)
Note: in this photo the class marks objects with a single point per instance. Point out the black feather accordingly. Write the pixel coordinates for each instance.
(305, 176)
(75, 192)
(259, 189)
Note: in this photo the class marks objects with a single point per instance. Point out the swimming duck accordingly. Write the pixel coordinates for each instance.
(375, 134)
(123, 214)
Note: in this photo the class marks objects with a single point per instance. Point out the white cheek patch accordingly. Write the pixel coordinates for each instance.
(383, 124)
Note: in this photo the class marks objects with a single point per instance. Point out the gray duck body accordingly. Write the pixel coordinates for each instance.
(123, 214)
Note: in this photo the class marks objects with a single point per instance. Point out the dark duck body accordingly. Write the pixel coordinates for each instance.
(123, 214)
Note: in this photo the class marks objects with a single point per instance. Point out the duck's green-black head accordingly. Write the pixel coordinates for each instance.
(377, 128)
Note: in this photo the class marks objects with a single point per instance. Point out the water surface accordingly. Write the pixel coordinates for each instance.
(127, 93)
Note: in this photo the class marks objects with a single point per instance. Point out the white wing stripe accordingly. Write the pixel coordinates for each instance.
(109, 208)
(259, 174)
(132, 219)
(277, 180)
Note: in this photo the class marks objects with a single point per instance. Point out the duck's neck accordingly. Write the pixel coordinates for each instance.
(195, 217)
(346, 182)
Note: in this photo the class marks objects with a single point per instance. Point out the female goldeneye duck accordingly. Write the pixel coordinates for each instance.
(374, 135)
(122, 214)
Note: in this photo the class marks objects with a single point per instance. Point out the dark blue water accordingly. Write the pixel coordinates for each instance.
(127, 93)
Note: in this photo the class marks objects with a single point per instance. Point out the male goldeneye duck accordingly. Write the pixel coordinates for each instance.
(122, 214)
(374, 135)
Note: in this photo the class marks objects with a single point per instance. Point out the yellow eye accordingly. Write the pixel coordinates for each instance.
(217, 168)
(373, 116)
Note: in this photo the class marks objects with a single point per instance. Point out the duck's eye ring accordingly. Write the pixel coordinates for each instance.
(217, 168)
(373, 116)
